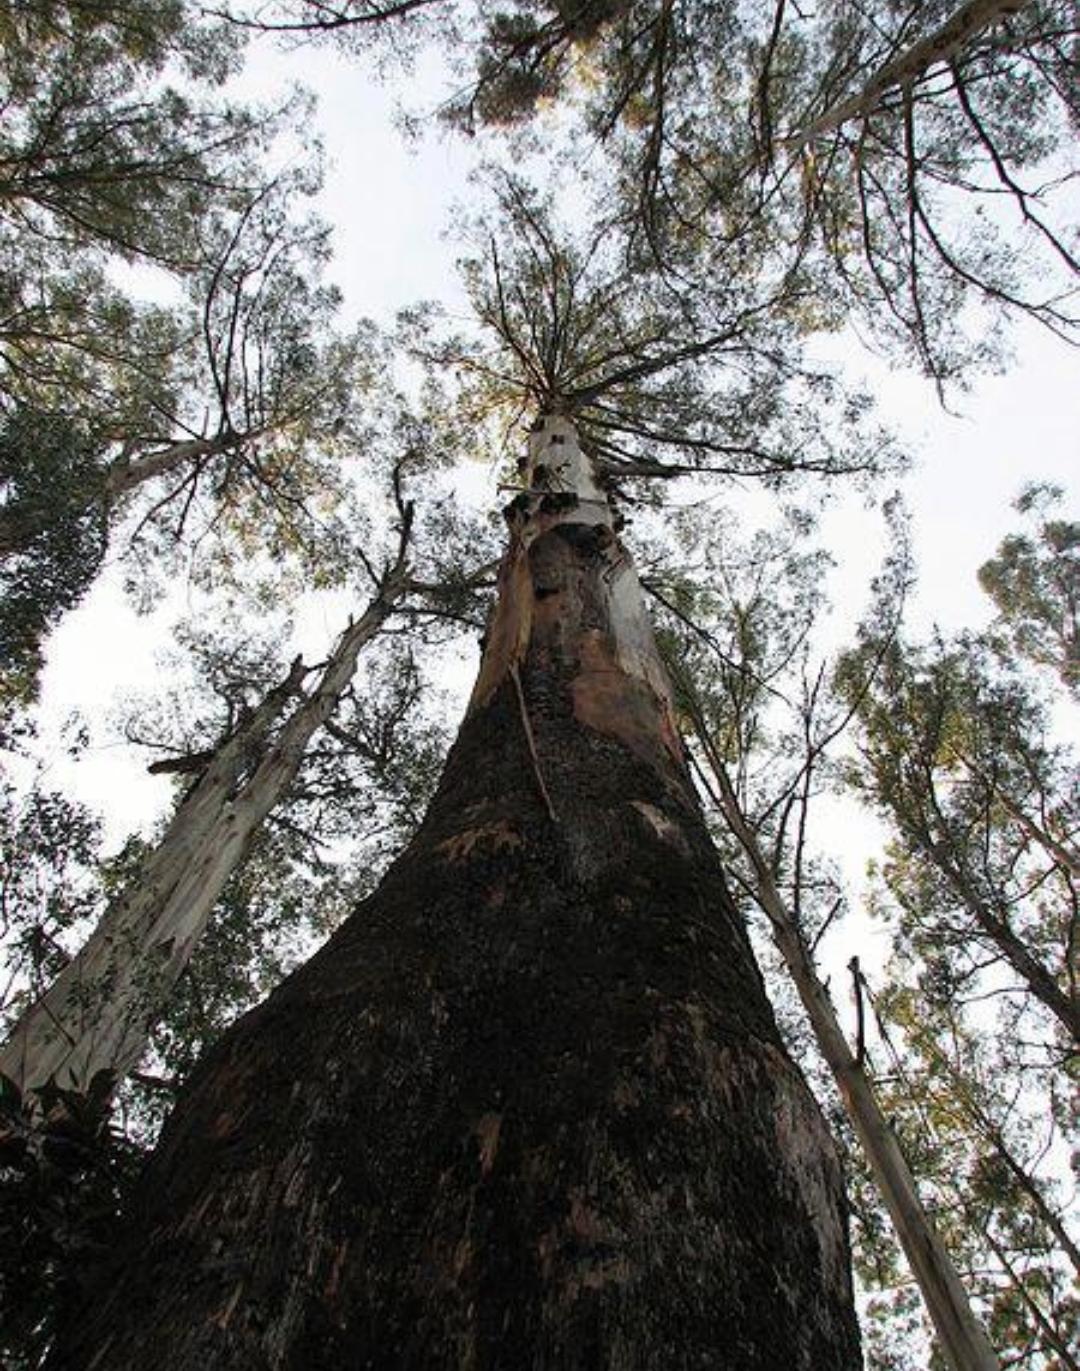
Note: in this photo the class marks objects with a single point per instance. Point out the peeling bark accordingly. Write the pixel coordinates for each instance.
(528, 1108)
(98, 1013)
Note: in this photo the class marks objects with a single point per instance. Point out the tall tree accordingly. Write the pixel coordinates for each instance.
(564, 1128)
(1034, 580)
(97, 1015)
(736, 639)
(984, 814)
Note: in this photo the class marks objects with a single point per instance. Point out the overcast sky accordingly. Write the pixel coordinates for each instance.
(390, 206)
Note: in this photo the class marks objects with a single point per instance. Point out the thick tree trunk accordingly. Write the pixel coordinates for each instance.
(528, 1108)
(98, 1013)
(962, 1337)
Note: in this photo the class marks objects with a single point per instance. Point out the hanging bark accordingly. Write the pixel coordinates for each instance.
(962, 1337)
(967, 23)
(528, 1108)
(98, 1013)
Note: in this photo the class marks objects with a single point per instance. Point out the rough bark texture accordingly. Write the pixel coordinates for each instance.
(528, 1109)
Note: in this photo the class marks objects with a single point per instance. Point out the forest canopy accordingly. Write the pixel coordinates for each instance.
(355, 357)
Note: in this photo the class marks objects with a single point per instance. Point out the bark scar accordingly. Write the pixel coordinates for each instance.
(531, 740)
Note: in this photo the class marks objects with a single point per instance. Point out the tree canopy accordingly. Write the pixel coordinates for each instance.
(680, 212)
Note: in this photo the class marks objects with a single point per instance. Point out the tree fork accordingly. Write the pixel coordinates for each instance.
(528, 1108)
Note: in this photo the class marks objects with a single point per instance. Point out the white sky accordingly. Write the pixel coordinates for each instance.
(390, 206)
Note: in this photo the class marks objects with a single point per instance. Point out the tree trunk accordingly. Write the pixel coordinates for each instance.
(995, 929)
(126, 474)
(962, 1337)
(123, 475)
(528, 1108)
(98, 1013)
(961, 28)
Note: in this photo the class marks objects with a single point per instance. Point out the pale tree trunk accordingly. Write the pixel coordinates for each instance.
(960, 1333)
(128, 473)
(98, 1013)
(121, 476)
(528, 1108)
(961, 28)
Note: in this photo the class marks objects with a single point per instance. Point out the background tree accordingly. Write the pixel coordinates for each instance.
(1034, 580)
(899, 153)
(939, 1103)
(564, 803)
(51, 479)
(97, 1015)
(986, 1141)
(959, 762)
(975, 1020)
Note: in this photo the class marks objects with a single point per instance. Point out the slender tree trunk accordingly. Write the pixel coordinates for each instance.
(126, 474)
(98, 1013)
(962, 1336)
(123, 475)
(1030, 1186)
(961, 28)
(1067, 858)
(1051, 1336)
(1040, 981)
(528, 1108)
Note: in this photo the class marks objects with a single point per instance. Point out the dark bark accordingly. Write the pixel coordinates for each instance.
(528, 1108)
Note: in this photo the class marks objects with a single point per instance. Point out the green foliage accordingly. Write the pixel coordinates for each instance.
(956, 756)
(48, 887)
(973, 1052)
(52, 538)
(659, 382)
(1035, 583)
(98, 153)
(914, 166)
